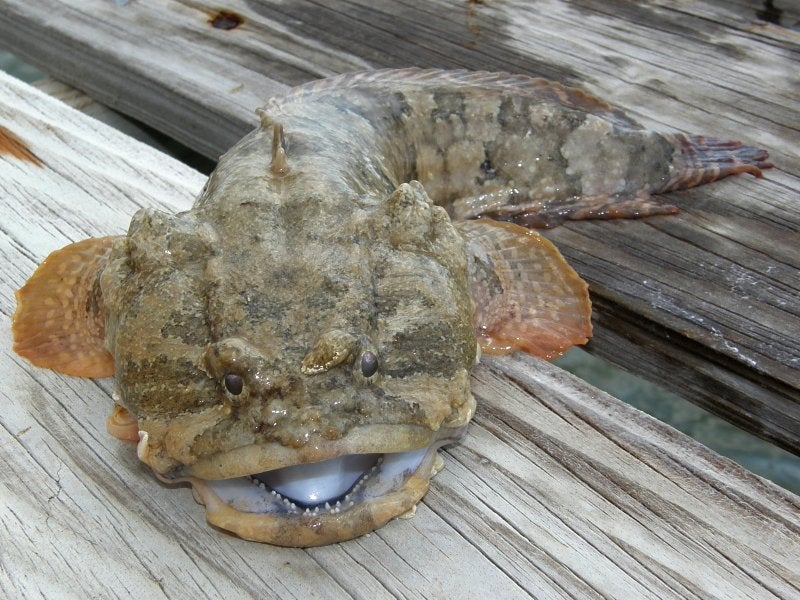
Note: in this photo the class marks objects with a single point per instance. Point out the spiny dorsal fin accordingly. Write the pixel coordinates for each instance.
(59, 322)
(279, 166)
(526, 295)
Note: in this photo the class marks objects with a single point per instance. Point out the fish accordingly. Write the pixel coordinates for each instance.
(298, 345)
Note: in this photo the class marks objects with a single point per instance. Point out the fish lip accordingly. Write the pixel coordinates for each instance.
(367, 439)
(210, 476)
(298, 527)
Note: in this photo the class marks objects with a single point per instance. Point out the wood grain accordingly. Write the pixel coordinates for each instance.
(557, 491)
(704, 303)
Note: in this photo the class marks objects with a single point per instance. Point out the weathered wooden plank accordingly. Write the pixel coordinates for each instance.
(76, 99)
(705, 303)
(558, 490)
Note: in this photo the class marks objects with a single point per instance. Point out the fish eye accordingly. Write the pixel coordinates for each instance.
(369, 364)
(233, 383)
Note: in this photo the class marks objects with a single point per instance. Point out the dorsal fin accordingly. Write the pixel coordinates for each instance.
(279, 166)
(415, 78)
(526, 295)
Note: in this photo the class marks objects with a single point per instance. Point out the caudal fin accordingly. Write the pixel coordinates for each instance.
(704, 159)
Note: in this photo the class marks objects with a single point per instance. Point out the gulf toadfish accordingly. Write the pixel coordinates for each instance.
(297, 346)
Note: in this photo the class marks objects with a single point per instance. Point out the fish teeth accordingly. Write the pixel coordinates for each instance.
(343, 503)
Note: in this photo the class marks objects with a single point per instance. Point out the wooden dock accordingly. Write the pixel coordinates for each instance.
(558, 490)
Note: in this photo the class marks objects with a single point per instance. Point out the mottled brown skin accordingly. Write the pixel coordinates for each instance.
(318, 302)
(513, 147)
(254, 294)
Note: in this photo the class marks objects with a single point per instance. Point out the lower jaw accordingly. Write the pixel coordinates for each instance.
(314, 528)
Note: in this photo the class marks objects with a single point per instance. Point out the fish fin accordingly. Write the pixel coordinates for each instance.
(508, 83)
(59, 322)
(279, 166)
(526, 295)
(585, 207)
(12, 144)
(703, 159)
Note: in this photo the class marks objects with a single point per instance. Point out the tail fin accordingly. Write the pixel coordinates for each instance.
(704, 159)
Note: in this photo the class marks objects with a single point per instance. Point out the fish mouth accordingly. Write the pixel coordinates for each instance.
(317, 503)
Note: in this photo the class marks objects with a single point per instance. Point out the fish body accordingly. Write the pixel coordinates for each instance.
(298, 344)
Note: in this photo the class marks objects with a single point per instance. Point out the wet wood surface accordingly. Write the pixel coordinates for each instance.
(558, 490)
(705, 303)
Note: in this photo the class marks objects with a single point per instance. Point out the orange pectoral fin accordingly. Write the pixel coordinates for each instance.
(526, 295)
(59, 322)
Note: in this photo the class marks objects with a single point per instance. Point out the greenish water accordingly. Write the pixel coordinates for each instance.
(751, 452)
(11, 64)
(748, 450)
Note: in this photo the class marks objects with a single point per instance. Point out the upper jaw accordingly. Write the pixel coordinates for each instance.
(211, 444)
(366, 439)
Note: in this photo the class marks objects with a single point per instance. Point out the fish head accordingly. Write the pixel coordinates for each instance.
(303, 387)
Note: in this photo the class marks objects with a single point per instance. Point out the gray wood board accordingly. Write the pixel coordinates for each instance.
(705, 303)
(558, 490)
